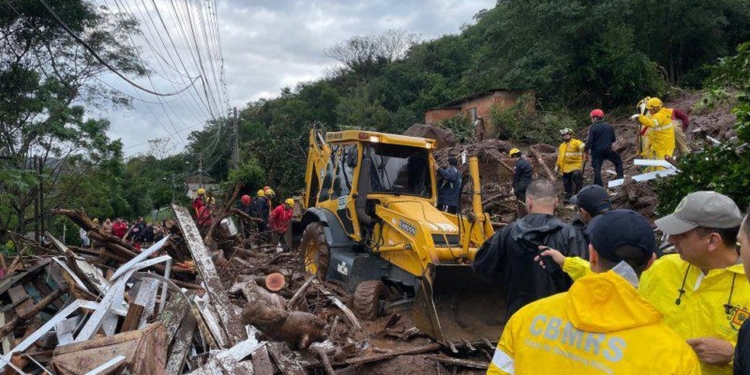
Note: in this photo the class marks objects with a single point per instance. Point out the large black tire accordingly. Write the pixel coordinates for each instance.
(314, 247)
(367, 299)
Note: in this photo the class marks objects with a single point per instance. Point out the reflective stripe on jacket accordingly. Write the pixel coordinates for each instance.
(570, 156)
(660, 131)
(701, 311)
(602, 326)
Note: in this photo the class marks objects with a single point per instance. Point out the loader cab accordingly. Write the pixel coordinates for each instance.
(362, 168)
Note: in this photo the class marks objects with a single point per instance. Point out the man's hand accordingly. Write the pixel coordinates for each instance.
(556, 256)
(557, 169)
(634, 117)
(711, 350)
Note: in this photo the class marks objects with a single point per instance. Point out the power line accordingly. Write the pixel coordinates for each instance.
(96, 56)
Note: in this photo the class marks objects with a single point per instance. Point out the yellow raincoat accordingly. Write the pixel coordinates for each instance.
(570, 156)
(601, 326)
(701, 311)
(660, 133)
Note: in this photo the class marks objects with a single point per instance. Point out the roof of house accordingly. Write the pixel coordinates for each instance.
(456, 103)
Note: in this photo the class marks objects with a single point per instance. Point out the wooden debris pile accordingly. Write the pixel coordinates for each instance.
(227, 306)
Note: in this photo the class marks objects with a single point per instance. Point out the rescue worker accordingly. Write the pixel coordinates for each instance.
(591, 201)
(570, 163)
(742, 349)
(246, 207)
(280, 219)
(700, 290)
(660, 129)
(506, 256)
(599, 146)
(199, 202)
(261, 210)
(449, 186)
(602, 325)
(522, 173)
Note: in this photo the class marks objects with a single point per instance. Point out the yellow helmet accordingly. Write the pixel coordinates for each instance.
(261, 193)
(514, 151)
(654, 103)
(289, 201)
(201, 191)
(270, 193)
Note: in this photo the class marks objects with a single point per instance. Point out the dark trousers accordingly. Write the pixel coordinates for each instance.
(573, 182)
(447, 208)
(520, 190)
(598, 159)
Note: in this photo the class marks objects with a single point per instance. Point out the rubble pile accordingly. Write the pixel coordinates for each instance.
(196, 305)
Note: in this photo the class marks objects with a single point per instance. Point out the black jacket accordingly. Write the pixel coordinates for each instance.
(742, 350)
(600, 139)
(523, 280)
(522, 172)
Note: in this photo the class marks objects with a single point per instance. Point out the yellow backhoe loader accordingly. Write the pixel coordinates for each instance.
(371, 226)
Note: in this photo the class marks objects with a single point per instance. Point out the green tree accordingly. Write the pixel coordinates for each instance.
(45, 75)
(722, 168)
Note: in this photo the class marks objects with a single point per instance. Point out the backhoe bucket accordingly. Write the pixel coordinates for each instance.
(456, 306)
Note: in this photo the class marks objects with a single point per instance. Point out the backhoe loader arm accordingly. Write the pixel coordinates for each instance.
(318, 153)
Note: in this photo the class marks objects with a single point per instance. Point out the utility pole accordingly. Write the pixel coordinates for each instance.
(200, 170)
(236, 136)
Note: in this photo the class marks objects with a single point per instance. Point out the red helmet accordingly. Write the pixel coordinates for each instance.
(246, 200)
(597, 113)
(265, 188)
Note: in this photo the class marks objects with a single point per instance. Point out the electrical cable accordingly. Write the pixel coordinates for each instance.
(98, 58)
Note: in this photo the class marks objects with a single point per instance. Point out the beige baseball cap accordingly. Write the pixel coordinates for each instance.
(707, 209)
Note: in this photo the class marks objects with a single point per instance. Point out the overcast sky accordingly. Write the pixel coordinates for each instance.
(266, 46)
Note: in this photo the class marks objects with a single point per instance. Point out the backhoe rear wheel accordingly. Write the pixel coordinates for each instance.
(316, 251)
(367, 298)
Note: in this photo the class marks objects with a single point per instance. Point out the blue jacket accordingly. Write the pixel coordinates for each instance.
(449, 186)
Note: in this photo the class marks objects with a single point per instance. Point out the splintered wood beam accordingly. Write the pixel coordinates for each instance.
(234, 329)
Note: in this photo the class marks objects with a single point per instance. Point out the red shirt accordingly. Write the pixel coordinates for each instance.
(119, 229)
(204, 217)
(197, 204)
(677, 114)
(280, 218)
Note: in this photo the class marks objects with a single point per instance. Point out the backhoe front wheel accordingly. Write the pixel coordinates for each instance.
(367, 298)
(316, 251)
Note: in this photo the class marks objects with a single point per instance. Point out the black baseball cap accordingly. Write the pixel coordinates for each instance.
(592, 198)
(613, 229)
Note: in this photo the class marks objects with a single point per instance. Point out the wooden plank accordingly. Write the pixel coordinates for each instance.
(380, 357)
(146, 297)
(133, 318)
(183, 341)
(31, 339)
(23, 303)
(46, 290)
(214, 326)
(55, 273)
(139, 258)
(66, 329)
(262, 362)
(348, 312)
(285, 359)
(231, 324)
(458, 362)
(7, 339)
(105, 367)
(172, 316)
